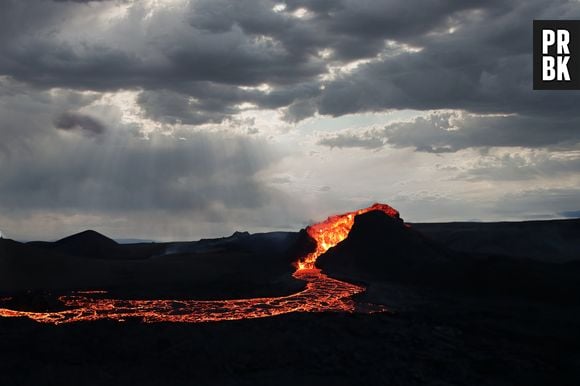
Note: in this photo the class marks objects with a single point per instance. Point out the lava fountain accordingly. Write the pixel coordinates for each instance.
(322, 293)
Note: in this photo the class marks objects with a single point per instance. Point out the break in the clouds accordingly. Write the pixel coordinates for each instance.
(191, 111)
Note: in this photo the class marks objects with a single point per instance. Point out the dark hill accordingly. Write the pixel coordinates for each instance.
(93, 245)
(24, 266)
(86, 244)
(10, 249)
(380, 248)
(241, 265)
(88, 236)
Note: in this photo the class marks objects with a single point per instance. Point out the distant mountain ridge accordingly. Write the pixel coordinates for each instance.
(90, 244)
(379, 247)
(242, 265)
(542, 240)
(545, 240)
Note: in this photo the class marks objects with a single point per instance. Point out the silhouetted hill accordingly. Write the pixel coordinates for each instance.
(10, 249)
(93, 245)
(241, 265)
(381, 248)
(88, 236)
(86, 244)
(24, 266)
(206, 245)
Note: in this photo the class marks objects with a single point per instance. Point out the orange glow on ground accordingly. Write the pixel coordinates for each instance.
(322, 293)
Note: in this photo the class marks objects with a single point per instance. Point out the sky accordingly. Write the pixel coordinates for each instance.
(176, 119)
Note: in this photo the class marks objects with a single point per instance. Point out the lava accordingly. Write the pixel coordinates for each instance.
(328, 233)
(322, 293)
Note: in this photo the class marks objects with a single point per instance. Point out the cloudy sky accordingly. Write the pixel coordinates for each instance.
(176, 119)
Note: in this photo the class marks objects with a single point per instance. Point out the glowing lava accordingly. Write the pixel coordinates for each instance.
(335, 229)
(321, 294)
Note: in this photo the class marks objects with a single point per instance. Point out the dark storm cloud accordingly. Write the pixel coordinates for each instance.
(26, 115)
(359, 28)
(299, 110)
(223, 45)
(484, 66)
(191, 64)
(173, 65)
(71, 121)
(171, 107)
(205, 61)
(207, 102)
(187, 53)
(453, 131)
(79, 1)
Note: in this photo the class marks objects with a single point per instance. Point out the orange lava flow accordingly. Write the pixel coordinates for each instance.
(322, 293)
(335, 229)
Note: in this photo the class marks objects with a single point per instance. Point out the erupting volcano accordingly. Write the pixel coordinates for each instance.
(328, 233)
(321, 293)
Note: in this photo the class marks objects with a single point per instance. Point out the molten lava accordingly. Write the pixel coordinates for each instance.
(322, 294)
(328, 233)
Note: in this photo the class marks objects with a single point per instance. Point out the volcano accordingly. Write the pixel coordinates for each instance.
(335, 229)
(381, 246)
(322, 293)
(367, 246)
